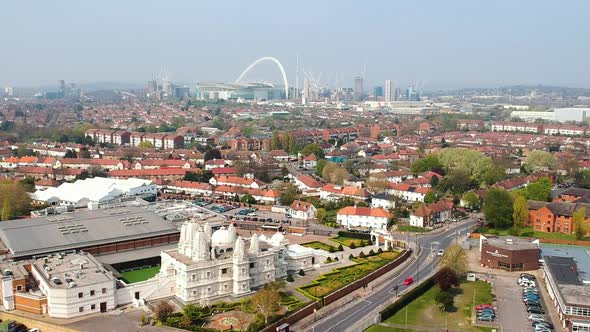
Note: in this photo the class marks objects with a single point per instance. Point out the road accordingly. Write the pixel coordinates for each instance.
(424, 265)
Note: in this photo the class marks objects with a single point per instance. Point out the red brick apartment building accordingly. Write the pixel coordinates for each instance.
(554, 217)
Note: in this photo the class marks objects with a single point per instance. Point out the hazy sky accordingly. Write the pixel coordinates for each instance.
(444, 43)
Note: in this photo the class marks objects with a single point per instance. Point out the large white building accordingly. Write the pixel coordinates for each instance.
(533, 115)
(93, 191)
(364, 217)
(578, 114)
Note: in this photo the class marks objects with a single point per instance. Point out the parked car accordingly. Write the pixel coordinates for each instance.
(488, 318)
(543, 323)
(528, 276)
(534, 317)
(485, 305)
(408, 281)
(440, 252)
(535, 310)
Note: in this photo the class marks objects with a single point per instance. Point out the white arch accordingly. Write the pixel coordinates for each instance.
(267, 58)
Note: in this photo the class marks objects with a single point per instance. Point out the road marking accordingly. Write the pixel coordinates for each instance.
(312, 328)
(342, 320)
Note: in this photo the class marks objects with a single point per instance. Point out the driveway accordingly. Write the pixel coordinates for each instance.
(116, 322)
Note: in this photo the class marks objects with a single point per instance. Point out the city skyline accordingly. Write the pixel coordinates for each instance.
(451, 45)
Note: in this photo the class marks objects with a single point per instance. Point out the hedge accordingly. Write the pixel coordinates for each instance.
(355, 235)
(410, 296)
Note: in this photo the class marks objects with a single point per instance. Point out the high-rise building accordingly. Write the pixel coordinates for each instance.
(398, 94)
(152, 86)
(306, 91)
(9, 91)
(358, 89)
(377, 92)
(388, 91)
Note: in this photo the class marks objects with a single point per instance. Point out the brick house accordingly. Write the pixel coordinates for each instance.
(554, 217)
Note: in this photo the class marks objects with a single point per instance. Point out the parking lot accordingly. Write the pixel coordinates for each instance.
(511, 313)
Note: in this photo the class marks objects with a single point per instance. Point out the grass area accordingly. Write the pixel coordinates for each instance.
(347, 241)
(320, 245)
(424, 312)
(329, 282)
(408, 228)
(140, 275)
(527, 232)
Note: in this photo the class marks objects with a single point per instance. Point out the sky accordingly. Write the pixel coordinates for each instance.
(442, 44)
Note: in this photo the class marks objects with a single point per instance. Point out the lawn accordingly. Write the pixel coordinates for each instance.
(329, 282)
(527, 232)
(424, 312)
(140, 275)
(408, 228)
(348, 240)
(319, 245)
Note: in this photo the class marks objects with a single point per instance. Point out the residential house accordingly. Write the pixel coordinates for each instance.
(431, 214)
(555, 217)
(302, 210)
(364, 217)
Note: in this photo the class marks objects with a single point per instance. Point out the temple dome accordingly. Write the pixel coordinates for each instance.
(223, 237)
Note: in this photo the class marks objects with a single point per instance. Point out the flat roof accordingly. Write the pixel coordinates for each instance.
(71, 270)
(511, 243)
(569, 268)
(56, 233)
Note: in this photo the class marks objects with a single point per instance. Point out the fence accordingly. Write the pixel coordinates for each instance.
(330, 298)
(364, 281)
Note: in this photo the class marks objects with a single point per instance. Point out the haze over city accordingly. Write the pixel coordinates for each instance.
(447, 44)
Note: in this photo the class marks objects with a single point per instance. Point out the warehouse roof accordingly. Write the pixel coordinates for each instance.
(79, 229)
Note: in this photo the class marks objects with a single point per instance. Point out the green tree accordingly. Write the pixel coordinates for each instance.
(275, 141)
(248, 199)
(146, 145)
(580, 227)
(583, 179)
(289, 194)
(539, 190)
(321, 215)
(540, 160)
(28, 184)
(319, 168)
(313, 148)
(193, 312)
(455, 259)
(470, 200)
(6, 210)
(430, 197)
(444, 299)
(457, 182)
(212, 154)
(498, 208)
(520, 213)
(428, 163)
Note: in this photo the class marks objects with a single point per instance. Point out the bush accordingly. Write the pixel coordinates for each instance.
(444, 299)
(340, 247)
(371, 252)
(301, 272)
(329, 260)
(380, 250)
(407, 298)
(351, 256)
(163, 311)
(355, 235)
(142, 320)
(362, 255)
(352, 245)
(336, 259)
(332, 249)
(290, 278)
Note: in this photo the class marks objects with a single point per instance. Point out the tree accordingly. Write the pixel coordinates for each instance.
(430, 197)
(320, 166)
(163, 310)
(6, 210)
(28, 184)
(520, 213)
(212, 154)
(70, 154)
(193, 312)
(540, 160)
(275, 141)
(203, 176)
(288, 195)
(456, 182)
(580, 227)
(301, 272)
(455, 259)
(539, 190)
(428, 163)
(583, 179)
(313, 148)
(444, 299)
(248, 199)
(146, 145)
(334, 173)
(321, 215)
(446, 278)
(470, 200)
(498, 208)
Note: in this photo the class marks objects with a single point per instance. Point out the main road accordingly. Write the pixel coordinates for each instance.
(421, 266)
